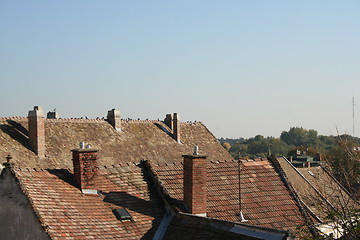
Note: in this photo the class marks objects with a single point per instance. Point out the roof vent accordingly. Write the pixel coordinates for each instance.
(122, 214)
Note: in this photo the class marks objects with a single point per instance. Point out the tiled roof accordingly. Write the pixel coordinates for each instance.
(197, 228)
(136, 141)
(319, 191)
(66, 213)
(265, 200)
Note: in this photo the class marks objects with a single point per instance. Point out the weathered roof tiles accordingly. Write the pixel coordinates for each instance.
(265, 199)
(68, 213)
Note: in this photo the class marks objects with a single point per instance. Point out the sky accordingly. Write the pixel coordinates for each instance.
(242, 68)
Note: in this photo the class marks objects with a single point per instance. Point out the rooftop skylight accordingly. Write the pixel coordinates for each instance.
(122, 214)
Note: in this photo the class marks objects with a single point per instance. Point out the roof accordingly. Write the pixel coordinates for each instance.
(317, 189)
(137, 140)
(67, 213)
(266, 201)
(187, 226)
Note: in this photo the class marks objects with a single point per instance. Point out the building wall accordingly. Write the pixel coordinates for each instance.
(17, 218)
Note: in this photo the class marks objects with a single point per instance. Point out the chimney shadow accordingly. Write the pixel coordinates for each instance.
(164, 129)
(17, 132)
(18, 127)
(152, 206)
(64, 175)
(126, 200)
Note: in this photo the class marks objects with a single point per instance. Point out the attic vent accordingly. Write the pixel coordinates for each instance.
(122, 214)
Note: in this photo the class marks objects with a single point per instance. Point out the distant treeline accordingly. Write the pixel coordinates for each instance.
(286, 145)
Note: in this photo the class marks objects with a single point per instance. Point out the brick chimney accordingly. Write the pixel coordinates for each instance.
(195, 178)
(36, 124)
(176, 130)
(53, 115)
(169, 121)
(114, 119)
(85, 168)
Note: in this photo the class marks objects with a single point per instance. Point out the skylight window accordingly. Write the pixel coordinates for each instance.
(122, 214)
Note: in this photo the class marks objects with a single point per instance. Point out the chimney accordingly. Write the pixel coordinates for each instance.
(169, 121)
(195, 189)
(85, 168)
(176, 125)
(114, 119)
(52, 115)
(36, 124)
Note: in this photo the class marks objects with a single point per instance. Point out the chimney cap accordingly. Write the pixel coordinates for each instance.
(37, 112)
(84, 150)
(194, 156)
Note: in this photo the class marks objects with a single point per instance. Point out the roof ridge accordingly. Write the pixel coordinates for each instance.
(190, 123)
(10, 118)
(74, 120)
(139, 121)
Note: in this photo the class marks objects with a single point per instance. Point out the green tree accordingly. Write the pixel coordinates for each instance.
(300, 137)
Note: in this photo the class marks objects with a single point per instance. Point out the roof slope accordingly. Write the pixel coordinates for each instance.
(187, 226)
(67, 213)
(136, 141)
(265, 200)
(317, 189)
(14, 141)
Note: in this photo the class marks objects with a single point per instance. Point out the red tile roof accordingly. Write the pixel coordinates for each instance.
(186, 226)
(67, 213)
(266, 201)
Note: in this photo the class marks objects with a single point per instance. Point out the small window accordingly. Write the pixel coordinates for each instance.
(122, 214)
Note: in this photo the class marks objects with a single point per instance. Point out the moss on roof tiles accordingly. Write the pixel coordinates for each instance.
(136, 141)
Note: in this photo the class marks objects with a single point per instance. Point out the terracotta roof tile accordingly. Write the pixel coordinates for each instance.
(265, 199)
(70, 214)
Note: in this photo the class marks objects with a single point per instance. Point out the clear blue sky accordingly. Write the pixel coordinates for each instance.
(241, 67)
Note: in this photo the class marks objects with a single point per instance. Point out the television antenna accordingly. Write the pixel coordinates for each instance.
(242, 218)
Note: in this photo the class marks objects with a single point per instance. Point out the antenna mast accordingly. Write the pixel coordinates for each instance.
(353, 115)
(242, 219)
